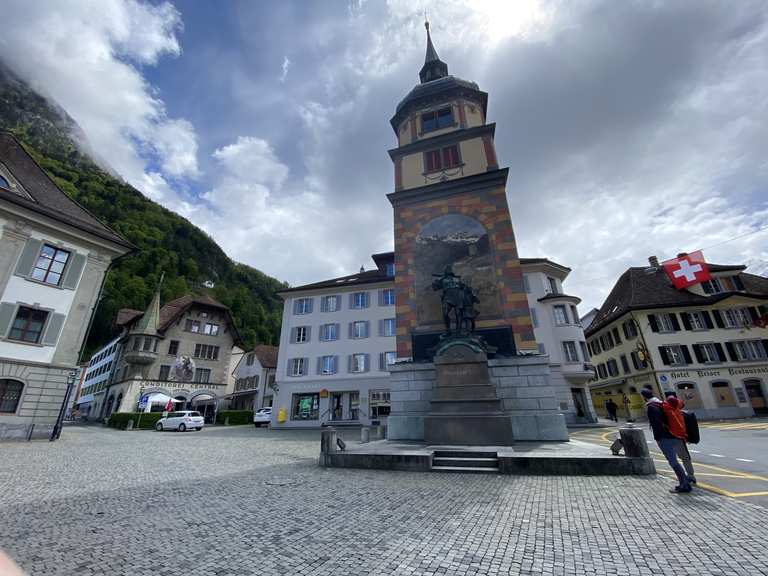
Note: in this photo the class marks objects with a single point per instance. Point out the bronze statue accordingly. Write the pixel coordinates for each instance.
(456, 298)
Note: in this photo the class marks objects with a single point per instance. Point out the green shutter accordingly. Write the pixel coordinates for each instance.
(7, 313)
(28, 257)
(52, 330)
(75, 267)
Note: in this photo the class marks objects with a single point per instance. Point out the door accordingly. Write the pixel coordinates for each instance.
(337, 406)
(756, 395)
(723, 394)
(354, 405)
(580, 402)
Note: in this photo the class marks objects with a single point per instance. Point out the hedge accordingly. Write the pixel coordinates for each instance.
(148, 420)
(235, 417)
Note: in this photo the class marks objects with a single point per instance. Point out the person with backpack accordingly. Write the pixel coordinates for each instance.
(673, 411)
(667, 442)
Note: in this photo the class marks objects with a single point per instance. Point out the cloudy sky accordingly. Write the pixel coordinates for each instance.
(630, 128)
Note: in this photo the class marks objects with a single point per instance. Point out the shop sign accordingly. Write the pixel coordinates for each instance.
(747, 371)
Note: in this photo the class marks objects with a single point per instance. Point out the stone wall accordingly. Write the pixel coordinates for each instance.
(522, 383)
(40, 403)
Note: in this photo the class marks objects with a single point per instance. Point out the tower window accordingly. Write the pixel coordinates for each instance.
(442, 159)
(436, 119)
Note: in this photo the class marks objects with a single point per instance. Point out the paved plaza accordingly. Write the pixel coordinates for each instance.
(237, 501)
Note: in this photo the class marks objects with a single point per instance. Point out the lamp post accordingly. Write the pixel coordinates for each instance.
(56, 432)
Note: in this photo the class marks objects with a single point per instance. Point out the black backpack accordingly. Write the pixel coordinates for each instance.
(691, 427)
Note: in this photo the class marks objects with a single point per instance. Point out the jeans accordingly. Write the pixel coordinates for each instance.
(670, 447)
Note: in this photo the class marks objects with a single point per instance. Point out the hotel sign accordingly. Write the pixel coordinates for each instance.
(720, 372)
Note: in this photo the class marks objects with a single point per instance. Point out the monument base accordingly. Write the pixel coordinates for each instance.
(521, 383)
(468, 430)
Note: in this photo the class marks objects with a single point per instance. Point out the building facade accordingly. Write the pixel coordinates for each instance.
(53, 259)
(152, 345)
(336, 340)
(708, 343)
(560, 336)
(98, 375)
(254, 376)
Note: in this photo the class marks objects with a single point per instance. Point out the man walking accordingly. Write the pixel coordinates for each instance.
(673, 411)
(611, 408)
(668, 443)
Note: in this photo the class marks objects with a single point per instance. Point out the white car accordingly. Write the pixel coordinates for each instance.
(262, 416)
(180, 421)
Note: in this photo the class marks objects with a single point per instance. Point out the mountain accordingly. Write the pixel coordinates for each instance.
(190, 259)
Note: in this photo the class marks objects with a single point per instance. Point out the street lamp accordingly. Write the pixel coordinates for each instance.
(56, 432)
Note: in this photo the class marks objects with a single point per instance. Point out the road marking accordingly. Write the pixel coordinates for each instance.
(744, 460)
(717, 455)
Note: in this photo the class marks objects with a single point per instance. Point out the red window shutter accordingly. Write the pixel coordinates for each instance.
(433, 160)
(450, 157)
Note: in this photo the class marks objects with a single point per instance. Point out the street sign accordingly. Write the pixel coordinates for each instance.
(143, 399)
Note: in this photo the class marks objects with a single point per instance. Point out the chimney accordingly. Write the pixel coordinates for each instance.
(653, 261)
(682, 254)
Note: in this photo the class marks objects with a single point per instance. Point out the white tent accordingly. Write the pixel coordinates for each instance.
(159, 398)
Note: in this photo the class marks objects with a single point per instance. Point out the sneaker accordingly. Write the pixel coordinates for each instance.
(681, 490)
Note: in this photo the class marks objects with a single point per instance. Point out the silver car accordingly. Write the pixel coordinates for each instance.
(180, 421)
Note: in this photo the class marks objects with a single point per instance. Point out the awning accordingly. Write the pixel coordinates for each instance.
(84, 399)
(160, 398)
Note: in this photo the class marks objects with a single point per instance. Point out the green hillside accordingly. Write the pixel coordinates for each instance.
(167, 242)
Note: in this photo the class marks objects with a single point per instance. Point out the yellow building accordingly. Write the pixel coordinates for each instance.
(708, 342)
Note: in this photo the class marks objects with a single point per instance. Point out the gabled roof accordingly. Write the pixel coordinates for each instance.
(171, 311)
(367, 277)
(267, 355)
(646, 288)
(47, 198)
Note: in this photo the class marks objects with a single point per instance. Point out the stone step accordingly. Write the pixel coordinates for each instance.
(467, 462)
(464, 454)
(471, 470)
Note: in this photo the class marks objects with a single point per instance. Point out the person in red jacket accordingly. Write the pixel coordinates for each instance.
(673, 411)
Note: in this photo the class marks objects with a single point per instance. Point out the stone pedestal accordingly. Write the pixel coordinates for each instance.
(521, 383)
(464, 407)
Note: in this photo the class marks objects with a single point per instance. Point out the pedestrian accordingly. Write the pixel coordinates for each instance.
(673, 410)
(611, 408)
(667, 442)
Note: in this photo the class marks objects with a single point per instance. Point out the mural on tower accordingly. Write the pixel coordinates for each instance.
(461, 242)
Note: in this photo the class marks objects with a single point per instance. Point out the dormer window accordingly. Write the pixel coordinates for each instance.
(436, 120)
(722, 284)
(442, 159)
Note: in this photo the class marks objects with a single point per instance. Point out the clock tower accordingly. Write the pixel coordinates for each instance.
(450, 208)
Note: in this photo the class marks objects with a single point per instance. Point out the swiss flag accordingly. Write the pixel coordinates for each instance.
(687, 270)
(169, 405)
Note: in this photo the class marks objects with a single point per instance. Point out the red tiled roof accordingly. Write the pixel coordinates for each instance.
(267, 355)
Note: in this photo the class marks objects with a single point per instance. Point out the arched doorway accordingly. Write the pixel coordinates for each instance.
(182, 405)
(108, 406)
(688, 393)
(205, 403)
(118, 402)
(723, 394)
(756, 395)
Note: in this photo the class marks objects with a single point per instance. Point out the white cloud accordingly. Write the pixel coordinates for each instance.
(286, 66)
(80, 53)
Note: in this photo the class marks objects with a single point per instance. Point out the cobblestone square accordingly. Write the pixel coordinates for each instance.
(237, 501)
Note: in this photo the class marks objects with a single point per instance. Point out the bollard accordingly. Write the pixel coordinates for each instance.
(129, 426)
(634, 442)
(365, 434)
(327, 445)
(226, 421)
(377, 433)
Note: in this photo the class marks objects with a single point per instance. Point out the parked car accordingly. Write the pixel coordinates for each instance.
(262, 416)
(180, 421)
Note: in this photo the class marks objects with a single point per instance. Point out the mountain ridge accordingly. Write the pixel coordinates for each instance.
(166, 241)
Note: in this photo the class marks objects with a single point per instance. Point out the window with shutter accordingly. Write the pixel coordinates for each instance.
(28, 325)
(624, 364)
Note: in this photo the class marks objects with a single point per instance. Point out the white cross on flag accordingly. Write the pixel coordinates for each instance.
(687, 270)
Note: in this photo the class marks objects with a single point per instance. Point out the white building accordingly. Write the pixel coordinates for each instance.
(53, 259)
(336, 340)
(254, 379)
(97, 376)
(560, 335)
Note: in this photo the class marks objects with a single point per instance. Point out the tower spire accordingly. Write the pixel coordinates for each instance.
(433, 68)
